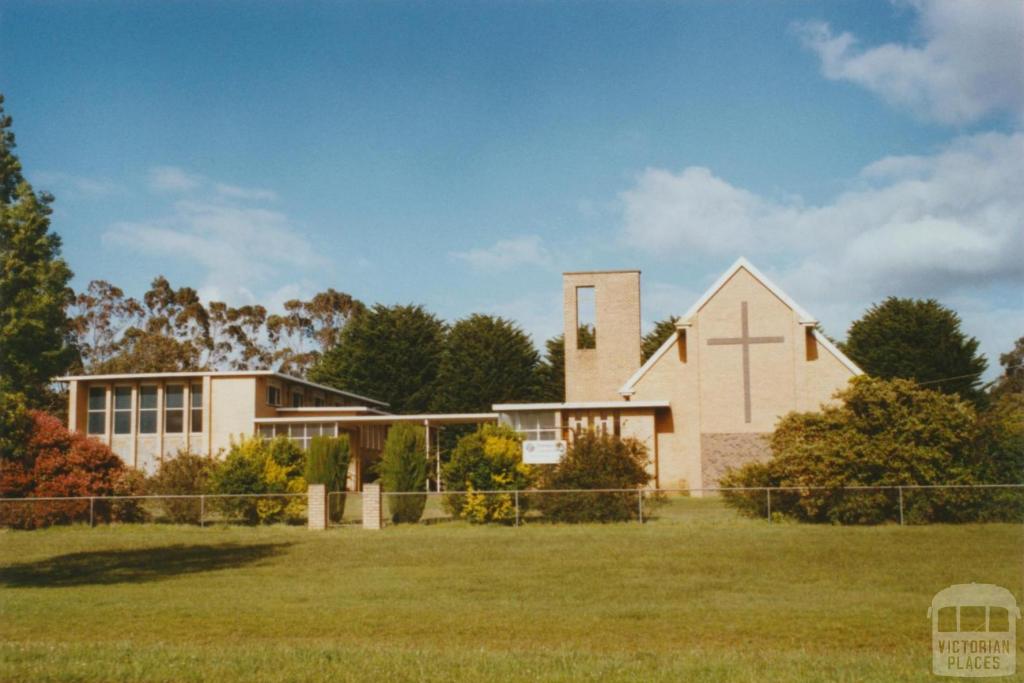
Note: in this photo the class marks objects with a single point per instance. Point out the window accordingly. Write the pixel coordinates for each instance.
(273, 395)
(97, 410)
(535, 426)
(195, 392)
(174, 409)
(122, 410)
(586, 318)
(300, 434)
(318, 401)
(811, 344)
(296, 399)
(147, 410)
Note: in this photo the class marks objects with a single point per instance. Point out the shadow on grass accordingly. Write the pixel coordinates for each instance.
(102, 567)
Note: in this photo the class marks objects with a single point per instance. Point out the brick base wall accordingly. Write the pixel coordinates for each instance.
(721, 451)
(371, 506)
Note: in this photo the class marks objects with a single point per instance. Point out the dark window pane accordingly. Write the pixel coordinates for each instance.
(174, 397)
(174, 420)
(122, 398)
(147, 422)
(998, 619)
(296, 400)
(97, 398)
(196, 392)
(147, 397)
(122, 422)
(97, 423)
(197, 420)
(947, 619)
(972, 618)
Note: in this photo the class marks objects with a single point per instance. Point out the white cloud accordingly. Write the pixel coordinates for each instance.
(246, 193)
(503, 255)
(969, 63)
(85, 187)
(241, 249)
(172, 179)
(946, 225)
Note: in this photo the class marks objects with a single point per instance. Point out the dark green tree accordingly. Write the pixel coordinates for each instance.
(551, 371)
(1012, 379)
(486, 360)
(34, 292)
(653, 340)
(403, 468)
(919, 340)
(391, 353)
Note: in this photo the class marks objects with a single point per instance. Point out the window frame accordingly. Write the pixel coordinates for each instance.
(297, 394)
(270, 401)
(128, 412)
(169, 409)
(145, 412)
(90, 411)
(193, 427)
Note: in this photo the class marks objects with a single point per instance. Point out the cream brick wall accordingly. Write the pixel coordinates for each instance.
(233, 406)
(596, 374)
(706, 391)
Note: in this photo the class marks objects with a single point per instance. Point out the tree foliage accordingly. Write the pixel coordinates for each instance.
(390, 353)
(57, 463)
(486, 360)
(34, 292)
(551, 372)
(403, 468)
(184, 474)
(1012, 379)
(919, 340)
(488, 459)
(596, 461)
(253, 465)
(882, 433)
(652, 341)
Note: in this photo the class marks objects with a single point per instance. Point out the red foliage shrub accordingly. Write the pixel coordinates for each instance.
(58, 463)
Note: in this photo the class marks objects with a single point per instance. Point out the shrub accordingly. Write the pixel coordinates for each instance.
(883, 433)
(254, 466)
(327, 463)
(185, 474)
(489, 459)
(596, 461)
(59, 463)
(403, 467)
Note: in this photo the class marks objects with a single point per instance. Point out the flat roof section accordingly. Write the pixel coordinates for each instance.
(215, 373)
(580, 405)
(422, 418)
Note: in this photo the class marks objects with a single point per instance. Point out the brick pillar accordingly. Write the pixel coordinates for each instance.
(371, 506)
(317, 507)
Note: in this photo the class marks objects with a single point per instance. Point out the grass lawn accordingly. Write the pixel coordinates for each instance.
(699, 595)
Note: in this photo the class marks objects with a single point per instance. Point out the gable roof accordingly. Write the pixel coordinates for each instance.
(804, 318)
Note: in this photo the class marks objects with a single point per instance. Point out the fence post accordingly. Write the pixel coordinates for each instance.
(92, 514)
(316, 506)
(202, 511)
(901, 505)
(640, 503)
(517, 506)
(371, 506)
(769, 497)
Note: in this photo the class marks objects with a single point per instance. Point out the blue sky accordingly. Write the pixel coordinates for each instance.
(462, 155)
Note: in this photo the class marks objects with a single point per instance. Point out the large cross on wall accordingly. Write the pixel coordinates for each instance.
(745, 341)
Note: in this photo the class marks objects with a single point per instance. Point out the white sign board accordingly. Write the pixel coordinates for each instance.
(543, 452)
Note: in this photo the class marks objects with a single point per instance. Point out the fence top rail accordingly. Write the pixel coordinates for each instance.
(716, 489)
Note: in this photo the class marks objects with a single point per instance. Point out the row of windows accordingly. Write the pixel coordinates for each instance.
(300, 434)
(274, 398)
(175, 413)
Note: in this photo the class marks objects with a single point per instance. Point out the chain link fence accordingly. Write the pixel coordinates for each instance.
(903, 505)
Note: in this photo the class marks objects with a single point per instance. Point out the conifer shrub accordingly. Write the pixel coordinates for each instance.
(327, 460)
(595, 461)
(488, 459)
(403, 468)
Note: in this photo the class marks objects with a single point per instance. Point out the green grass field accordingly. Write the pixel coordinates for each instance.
(699, 595)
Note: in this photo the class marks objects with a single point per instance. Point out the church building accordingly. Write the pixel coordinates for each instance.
(741, 357)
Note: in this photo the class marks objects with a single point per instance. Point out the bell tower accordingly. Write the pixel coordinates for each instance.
(601, 310)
